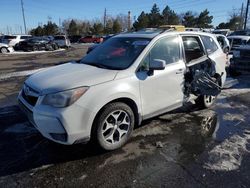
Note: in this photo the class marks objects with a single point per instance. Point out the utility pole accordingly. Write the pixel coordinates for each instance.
(246, 16)
(129, 20)
(104, 18)
(24, 22)
(241, 16)
(21, 30)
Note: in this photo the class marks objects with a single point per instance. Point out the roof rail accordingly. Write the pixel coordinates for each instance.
(167, 30)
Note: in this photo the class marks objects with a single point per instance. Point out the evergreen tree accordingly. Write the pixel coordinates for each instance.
(170, 17)
(155, 18)
(142, 21)
(189, 19)
(204, 20)
(116, 27)
(97, 29)
(73, 28)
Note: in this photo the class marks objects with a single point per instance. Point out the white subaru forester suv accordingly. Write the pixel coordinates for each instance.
(129, 78)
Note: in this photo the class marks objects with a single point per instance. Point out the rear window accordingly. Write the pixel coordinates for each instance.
(209, 44)
(245, 33)
(59, 38)
(237, 41)
(9, 37)
(25, 37)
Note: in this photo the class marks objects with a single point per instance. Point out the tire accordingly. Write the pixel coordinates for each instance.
(56, 47)
(35, 48)
(4, 50)
(205, 101)
(113, 126)
(49, 47)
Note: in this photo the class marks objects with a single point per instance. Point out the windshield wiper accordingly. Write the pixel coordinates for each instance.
(102, 66)
(97, 65)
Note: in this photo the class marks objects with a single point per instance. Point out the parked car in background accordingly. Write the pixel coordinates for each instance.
(13, 40)
(129, 78)
(241, 59)
(240, 33)
(92, 47)
(38, 43)
(91, 39)
(224, 32)
(62, 41)
(236, 41)
(49, 37)
(224, 42)
(4, 48)
(192, 29)
(75, 38)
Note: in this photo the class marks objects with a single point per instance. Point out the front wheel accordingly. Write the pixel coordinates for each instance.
(114, 125)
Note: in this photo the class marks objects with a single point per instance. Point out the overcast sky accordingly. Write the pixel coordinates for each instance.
(38, 11)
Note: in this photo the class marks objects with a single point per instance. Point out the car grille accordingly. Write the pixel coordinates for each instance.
(30, 95)
(28, 112)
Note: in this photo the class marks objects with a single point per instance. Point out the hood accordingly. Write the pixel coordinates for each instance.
(68, 76)
(3, 44)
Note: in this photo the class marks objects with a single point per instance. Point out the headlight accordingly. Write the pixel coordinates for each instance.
(236, 53)
(64, 98)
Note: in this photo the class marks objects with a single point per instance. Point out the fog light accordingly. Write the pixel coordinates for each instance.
(59, 136)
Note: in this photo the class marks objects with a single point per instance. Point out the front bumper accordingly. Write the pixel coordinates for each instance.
(10, 49)
(62, 125)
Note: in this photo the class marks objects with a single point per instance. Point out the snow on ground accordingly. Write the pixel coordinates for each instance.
(19, 73)
(35, 52)
(228, 155)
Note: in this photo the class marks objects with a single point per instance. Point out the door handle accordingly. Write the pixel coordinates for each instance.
(179, 71)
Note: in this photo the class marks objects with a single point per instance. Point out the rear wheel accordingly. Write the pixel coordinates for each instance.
(56, 47)
(114, 125)
(49, 47)
(4, 50)
(206, 101)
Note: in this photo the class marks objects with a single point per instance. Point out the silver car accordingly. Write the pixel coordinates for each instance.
(4, 48)
(62, 41)
(129, 78)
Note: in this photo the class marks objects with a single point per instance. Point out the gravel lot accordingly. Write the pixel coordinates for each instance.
(185, 148)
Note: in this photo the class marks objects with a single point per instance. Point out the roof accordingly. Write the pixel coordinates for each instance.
(151, 33)
(239, 37)
(144, 33)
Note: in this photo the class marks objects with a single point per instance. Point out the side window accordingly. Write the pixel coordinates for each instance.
(24, 37)
(221, 41)
(192, 47)
(209, 44)
(167, 49)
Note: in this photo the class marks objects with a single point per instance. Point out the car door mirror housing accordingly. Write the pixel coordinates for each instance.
(157, 64)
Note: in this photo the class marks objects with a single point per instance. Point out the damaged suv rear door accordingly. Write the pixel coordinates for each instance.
(201, 78)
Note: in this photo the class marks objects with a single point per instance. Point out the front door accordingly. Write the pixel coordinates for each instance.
(163, 89)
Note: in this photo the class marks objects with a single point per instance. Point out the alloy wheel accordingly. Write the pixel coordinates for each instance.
(116, 126)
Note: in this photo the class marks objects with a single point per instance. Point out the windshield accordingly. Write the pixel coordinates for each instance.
(59, 38)
(117, 53)
(242, 32)
(220, 32)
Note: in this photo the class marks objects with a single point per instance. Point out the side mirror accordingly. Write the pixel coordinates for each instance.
(157, 64)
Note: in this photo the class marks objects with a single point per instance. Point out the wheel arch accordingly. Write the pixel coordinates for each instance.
(128, 101)
(4, 47)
